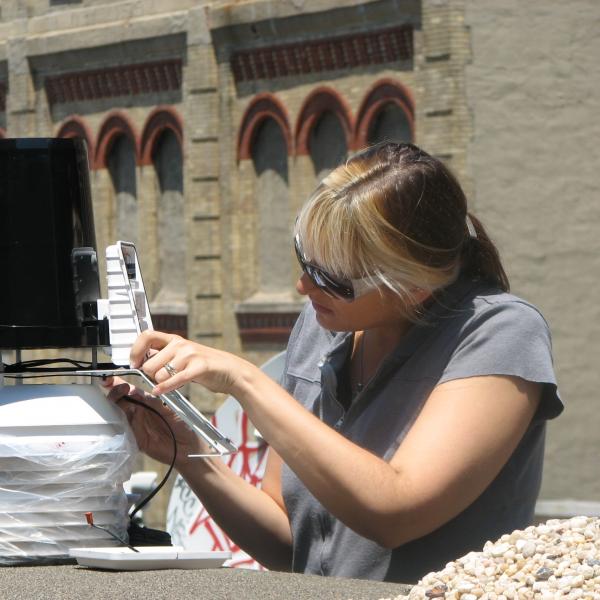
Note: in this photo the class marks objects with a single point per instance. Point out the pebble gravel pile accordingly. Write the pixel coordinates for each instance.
(559, 559)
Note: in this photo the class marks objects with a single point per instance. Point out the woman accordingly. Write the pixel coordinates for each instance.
(410, 425)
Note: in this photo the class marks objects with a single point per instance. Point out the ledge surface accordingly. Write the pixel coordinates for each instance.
(74, 582)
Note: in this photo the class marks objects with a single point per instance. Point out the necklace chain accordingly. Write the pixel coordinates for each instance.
(361, 352)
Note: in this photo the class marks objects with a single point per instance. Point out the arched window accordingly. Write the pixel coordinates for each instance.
(327, 144)
(268, 312)
(270, 160)
(168, 165)
(390, 124)
(121, 164)
(324, 130)
(75, 127)
(386, 114)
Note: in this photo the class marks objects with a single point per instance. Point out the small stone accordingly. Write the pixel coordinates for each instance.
(438, 591)
(543, 574)
(528, 549)
(499, 550)
(464, 586)
(577, 581)
(578, 522)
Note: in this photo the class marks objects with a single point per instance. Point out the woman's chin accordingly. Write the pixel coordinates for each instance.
(328, 321)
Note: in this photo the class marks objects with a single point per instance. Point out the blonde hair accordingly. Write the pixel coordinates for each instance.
(396, 216)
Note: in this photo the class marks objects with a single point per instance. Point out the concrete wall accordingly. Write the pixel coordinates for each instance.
(533, 87)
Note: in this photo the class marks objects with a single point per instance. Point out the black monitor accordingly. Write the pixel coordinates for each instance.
(48, 264)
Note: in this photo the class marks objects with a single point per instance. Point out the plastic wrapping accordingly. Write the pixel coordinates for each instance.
(48, 482)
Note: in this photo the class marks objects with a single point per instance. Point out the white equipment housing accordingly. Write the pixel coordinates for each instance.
(127, 307)
(64, 450)
(128, 314)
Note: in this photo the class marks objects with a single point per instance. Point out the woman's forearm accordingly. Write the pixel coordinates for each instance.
(249, 516)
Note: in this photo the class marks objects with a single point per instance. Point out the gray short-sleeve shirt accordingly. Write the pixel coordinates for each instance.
(471, 330)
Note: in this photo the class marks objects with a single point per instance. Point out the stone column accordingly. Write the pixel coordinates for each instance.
(202, 192)
(21, 100)
(443, 122)
(147, 196)
(104, 218)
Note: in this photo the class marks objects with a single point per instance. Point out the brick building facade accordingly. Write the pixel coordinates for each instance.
(209, 123)
(242, 105)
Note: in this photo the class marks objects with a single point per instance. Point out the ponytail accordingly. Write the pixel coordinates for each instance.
(481, 259)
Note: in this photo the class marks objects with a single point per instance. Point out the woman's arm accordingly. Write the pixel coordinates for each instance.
(465, 433)
(251, 517)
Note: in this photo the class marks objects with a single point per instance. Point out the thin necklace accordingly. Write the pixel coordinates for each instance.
(361, 353)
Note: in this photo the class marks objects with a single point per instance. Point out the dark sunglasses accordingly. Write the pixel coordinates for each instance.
(344, 289)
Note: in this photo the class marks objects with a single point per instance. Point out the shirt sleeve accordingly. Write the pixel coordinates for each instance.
(508, 338)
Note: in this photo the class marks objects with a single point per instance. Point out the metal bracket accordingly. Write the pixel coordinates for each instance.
(175, 400)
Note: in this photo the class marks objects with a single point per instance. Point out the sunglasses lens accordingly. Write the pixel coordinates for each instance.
(323, 280)
(338, 288)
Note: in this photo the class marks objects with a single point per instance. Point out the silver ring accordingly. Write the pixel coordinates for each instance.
(170, 369)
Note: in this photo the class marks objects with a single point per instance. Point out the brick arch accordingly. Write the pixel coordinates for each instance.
(263, 106)
(158, 121)
(384, 91)
(115, 124)
(321, 100)
(75, 126)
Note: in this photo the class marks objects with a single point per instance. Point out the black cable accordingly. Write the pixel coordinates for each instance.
(140, 505)
(39, 366)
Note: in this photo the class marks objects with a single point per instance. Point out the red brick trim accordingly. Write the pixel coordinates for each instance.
(177, 324)
(262, 106)
(319, 101)
(266, 327)
(161, 118)
(75, 126)
(384, 91)
(389, 45)
(124, 80)
(115, 124)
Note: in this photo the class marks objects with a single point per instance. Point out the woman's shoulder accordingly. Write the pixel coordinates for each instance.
(487, 306)
(514, 314)
(498, 333)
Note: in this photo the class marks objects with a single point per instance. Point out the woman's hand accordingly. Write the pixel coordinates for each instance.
(151, 433)
(186, 361)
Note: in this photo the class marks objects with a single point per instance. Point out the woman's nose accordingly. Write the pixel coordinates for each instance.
(304, 284)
